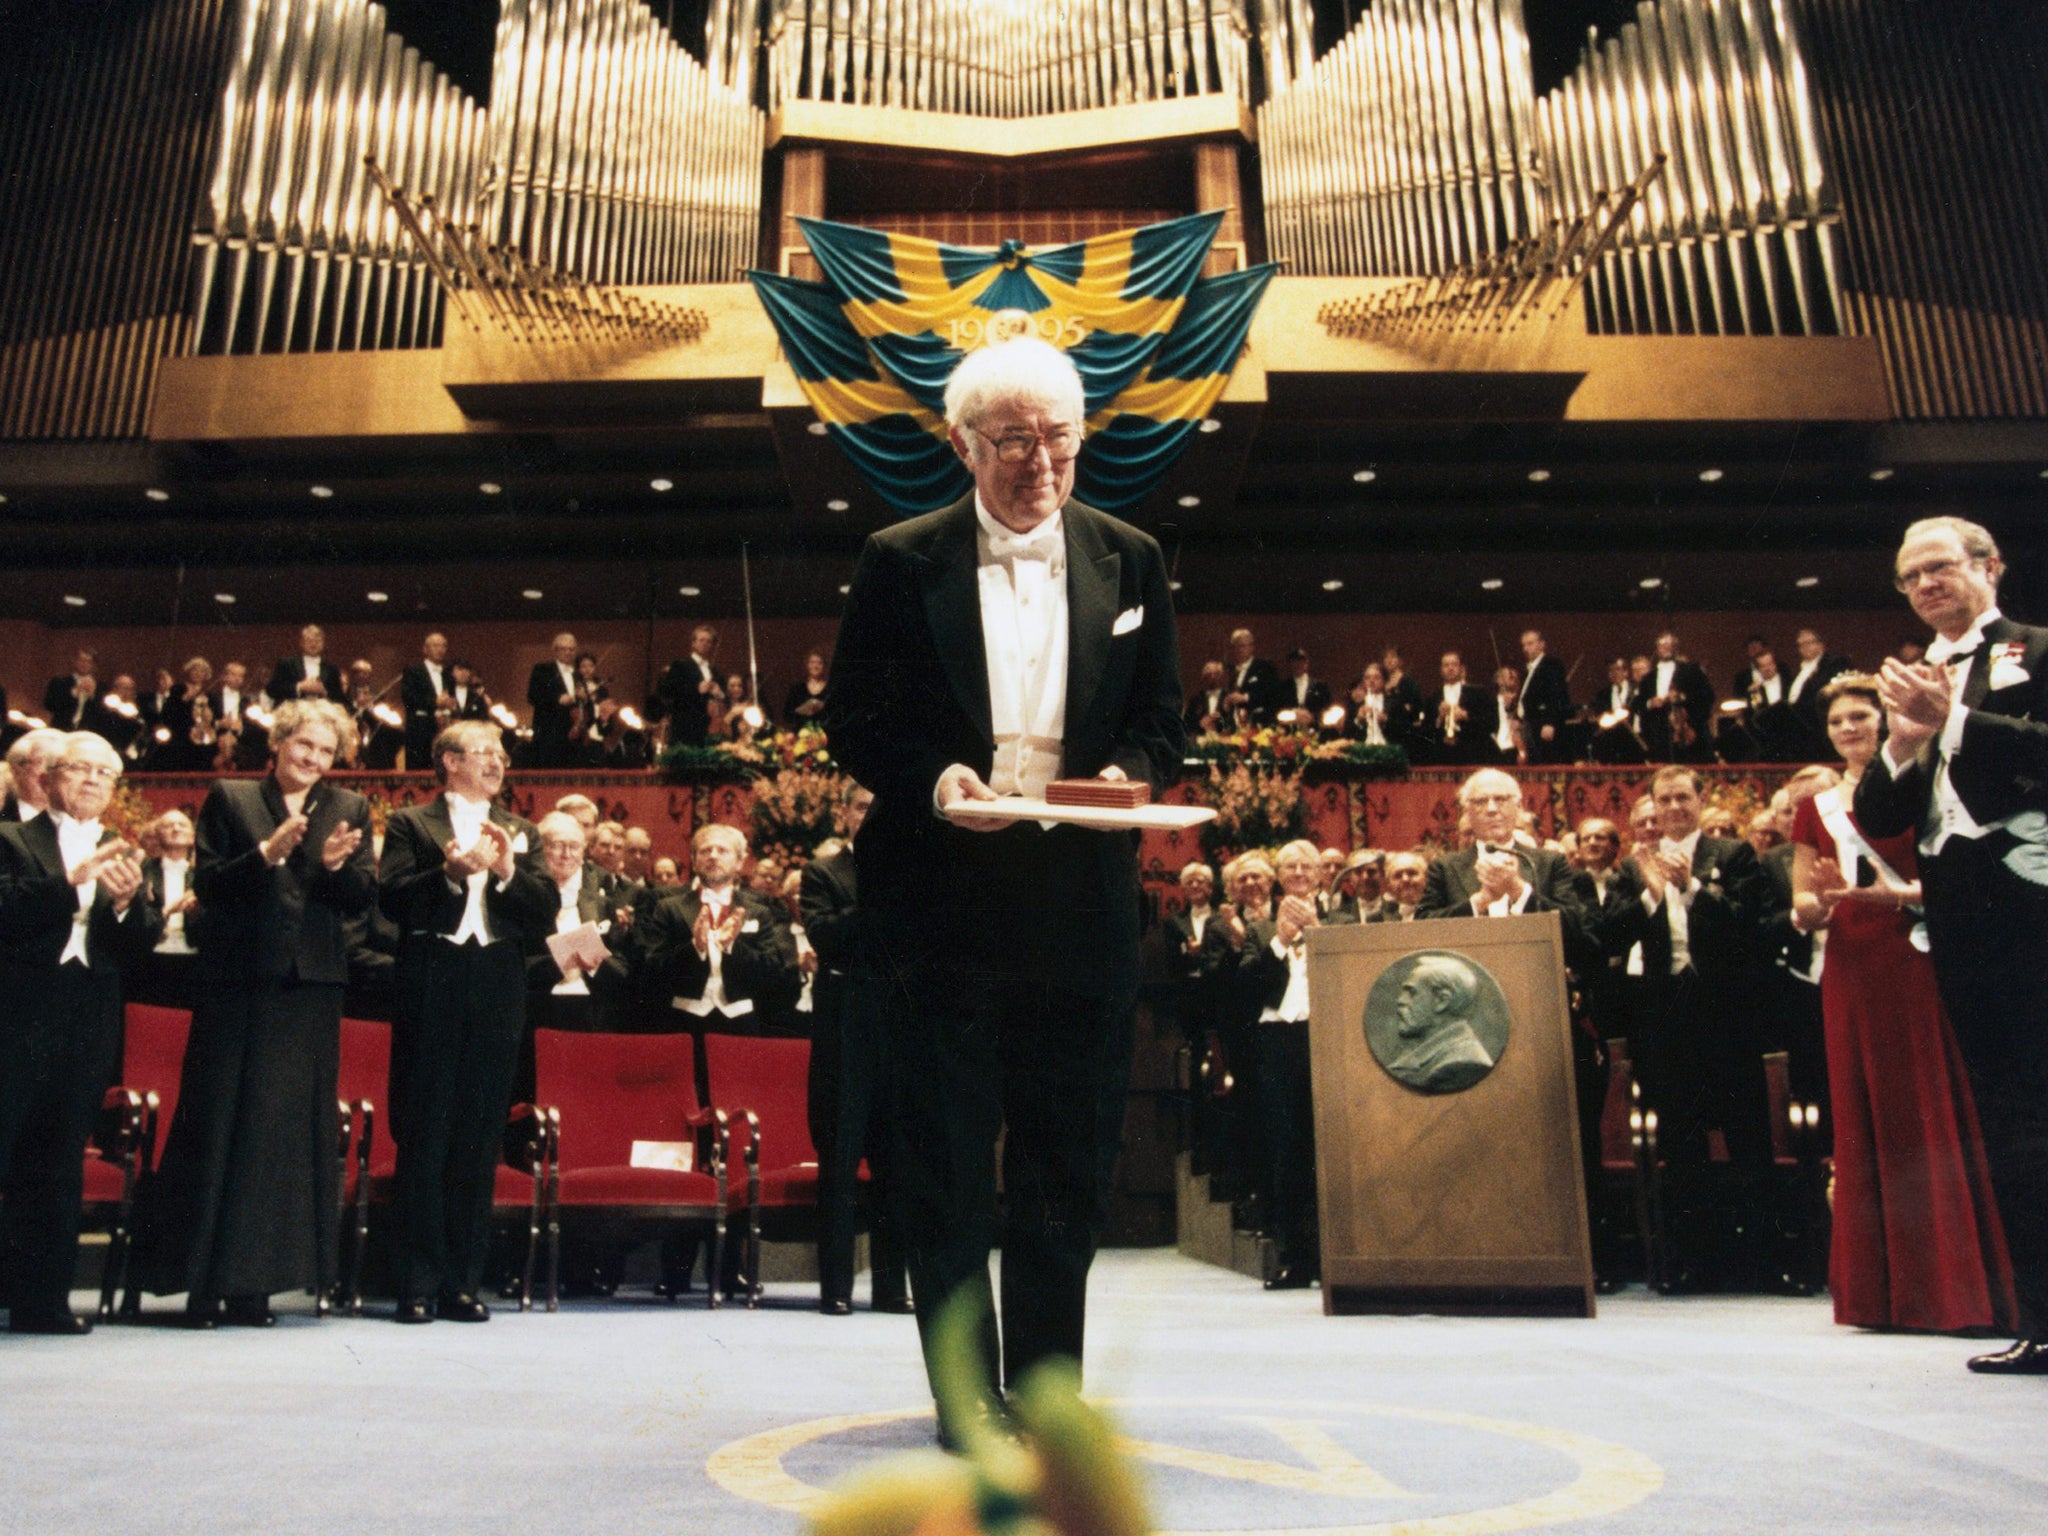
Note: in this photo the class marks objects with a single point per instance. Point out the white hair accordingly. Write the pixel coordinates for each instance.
(1024, 369)
(89, 747)
(37, 748)
(720, 832)
(557, 824)
(1470, 787)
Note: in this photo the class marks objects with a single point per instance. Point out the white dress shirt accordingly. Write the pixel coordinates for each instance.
(714, 999)
(1023, 583)
(1949, 816)
(230, 704)
(76, 841)
(1293, 1005)
(1661, 677)
(1504, 730)
(1801, 678)
(1198, 920)
(1772, 688)
(469, 817)
(177, 876)
(434, 677)
(1375, 711)
(568, 918)
(1677, 903)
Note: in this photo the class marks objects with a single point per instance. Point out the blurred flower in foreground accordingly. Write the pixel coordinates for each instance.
(1048, 1468)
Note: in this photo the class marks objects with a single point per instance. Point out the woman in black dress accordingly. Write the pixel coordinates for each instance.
(805, 701)
(245, 1204)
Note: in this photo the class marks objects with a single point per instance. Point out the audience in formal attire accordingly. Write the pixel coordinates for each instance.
(1255, 691)
(552, 692)
(71, 700)
(424, 695)
(805, 701)
(308, 675)
(1677, 706)
(1459, 720)
(243, 1202)
(690, 693)
(73, 919)
(1301, 699)
(1544, 704)
(1206, 713)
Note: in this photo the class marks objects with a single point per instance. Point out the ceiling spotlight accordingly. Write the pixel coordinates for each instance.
(3, 499)
(689, 591)
(2044, 476)
(816, 429)
(1651, 583)
(225, 599)
(490, 488)
(73, 600)
(1491, 584)
(1538, 476)
(1807, 581)
(1333, 585)
(1173, 586)
(378, 597)
(1881, 474)
(1211, 424)
(322, 492)
(1711, 475)
(157, 493)
(1191, 501)
(661, 485)
(837, 504)
(844, 589)
(533, 594)
(1366, 476)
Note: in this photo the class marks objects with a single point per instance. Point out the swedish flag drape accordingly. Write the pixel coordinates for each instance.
(874, 344)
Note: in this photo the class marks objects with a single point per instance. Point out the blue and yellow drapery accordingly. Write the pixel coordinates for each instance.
(873, 345)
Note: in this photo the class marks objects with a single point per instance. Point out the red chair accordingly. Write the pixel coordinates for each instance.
(1802, 1170)
(362, 1085)
(152, 1061)
(601, 1093)
(1628, 1156)
(113, 1165)
(763, 1085)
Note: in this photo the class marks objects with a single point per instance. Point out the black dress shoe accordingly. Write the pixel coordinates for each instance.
(413, 1310)
(56, 1324)
(900, 1305)
(201, 1313)
(835, 1306)
(1290, 1277)
(2028, 1357)
(464, 1308)
(248, 1312)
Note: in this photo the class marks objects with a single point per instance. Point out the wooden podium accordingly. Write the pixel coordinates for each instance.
(1459, 1189)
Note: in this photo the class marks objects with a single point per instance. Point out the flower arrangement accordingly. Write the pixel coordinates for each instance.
(797, 809)
(737, 762)
(1255, 808)
(1299, 751)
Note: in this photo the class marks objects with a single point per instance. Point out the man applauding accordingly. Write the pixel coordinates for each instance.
(461, 879)
(1967, 765)
(70, 922)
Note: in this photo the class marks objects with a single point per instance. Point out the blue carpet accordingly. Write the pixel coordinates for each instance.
(1253, 1412)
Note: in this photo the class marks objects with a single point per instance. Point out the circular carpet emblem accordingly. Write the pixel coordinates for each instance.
(1240, 1467)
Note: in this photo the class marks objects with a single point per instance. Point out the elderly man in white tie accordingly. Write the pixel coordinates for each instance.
(73, 917)
(1967, 766)
(1011, 639)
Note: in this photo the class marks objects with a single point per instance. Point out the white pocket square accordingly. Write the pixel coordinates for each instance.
(2007, 674)
(751, 925)
(519, 843)
(1128, 620)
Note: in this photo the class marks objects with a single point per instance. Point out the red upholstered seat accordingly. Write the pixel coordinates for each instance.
(763, 1086)
(134, 1122)
(602, 1093)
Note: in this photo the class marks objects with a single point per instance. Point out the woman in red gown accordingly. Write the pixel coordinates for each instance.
(1917, 1242)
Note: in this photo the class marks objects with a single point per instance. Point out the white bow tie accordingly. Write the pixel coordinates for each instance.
(1944, 650)
(1041, 543)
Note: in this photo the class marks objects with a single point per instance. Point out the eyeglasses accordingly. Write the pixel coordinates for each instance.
(1933, 570)
(1061, 444)
(90, 771)
(485, 754)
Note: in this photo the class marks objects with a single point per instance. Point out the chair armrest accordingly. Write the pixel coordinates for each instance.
(117, 1134)
(529, 1135)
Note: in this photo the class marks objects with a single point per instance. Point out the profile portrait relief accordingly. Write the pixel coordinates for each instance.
(1437, 1021)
